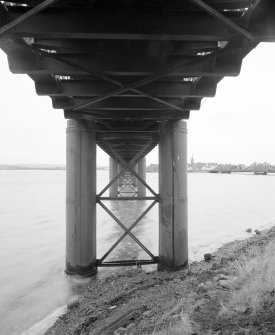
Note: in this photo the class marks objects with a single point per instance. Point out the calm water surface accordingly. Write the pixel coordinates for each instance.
(32, 238)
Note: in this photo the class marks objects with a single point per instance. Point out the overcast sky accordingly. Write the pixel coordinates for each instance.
(237, 126)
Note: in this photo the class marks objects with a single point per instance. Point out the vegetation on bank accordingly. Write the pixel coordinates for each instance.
(252, 294)
(231, 293)
(255, 270)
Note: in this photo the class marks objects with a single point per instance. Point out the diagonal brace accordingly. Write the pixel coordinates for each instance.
(113, 180)
(125, 234)
(122, 170)
(129, 167)
(229, 23)
(31, 12)
(126, 229)
(154, 77)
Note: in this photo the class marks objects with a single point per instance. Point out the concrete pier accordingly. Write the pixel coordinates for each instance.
(142, 173)
(173, 223)
(134, 178)
(113, 171)
(80, 199)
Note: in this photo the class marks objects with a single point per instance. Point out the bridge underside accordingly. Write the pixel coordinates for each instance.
(122, 70)
(127, 65)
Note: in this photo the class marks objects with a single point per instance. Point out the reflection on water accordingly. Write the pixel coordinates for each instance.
(32, 239)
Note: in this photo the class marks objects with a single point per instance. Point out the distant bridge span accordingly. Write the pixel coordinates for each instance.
(260, 168)
(256, 168)
(126, 72)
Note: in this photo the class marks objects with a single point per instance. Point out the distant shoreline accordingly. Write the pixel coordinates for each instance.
(29, 167)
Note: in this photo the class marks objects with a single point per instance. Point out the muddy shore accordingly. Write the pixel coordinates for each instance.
(137, 302)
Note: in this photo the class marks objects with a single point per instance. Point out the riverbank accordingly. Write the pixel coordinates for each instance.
(195, 300)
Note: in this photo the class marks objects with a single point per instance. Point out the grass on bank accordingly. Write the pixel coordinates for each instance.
(177, 320)
(255, 272)
(182, 327)
(256, 276)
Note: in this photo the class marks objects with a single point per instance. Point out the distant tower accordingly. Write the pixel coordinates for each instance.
(192, 161)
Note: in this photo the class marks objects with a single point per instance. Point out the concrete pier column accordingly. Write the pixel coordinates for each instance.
(134, 178)
(113, 171)
(119, 182)
(80, 199)
(142, 173)
(173, 224)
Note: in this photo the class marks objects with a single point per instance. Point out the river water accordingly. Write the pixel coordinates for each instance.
(33, 287)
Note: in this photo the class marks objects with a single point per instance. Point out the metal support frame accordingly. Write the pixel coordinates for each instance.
(122, 88)
(133, 86)
(229, 23)
(127, 167)
(127, 186)
(31, 12)
(136, 86)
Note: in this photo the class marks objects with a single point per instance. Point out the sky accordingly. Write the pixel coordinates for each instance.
(236, 126)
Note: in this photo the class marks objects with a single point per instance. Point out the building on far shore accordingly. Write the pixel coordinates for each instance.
(152, 168)
(192, 162)
(196, 166)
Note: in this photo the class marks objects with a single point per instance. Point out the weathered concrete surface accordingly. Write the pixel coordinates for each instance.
(173, 223)
(142, 173)
(80, 199)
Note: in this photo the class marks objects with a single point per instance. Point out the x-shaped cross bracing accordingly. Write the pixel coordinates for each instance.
(126, 166)
(127, 231)
(136, 86)
(127, 182)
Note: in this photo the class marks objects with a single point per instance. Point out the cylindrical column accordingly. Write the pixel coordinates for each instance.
(142, 173)
(173, 225)
(119, 182)
(80, 199)
(134, 178)
(113, 171)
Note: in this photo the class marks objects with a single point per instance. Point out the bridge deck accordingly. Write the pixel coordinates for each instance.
(126, 65)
